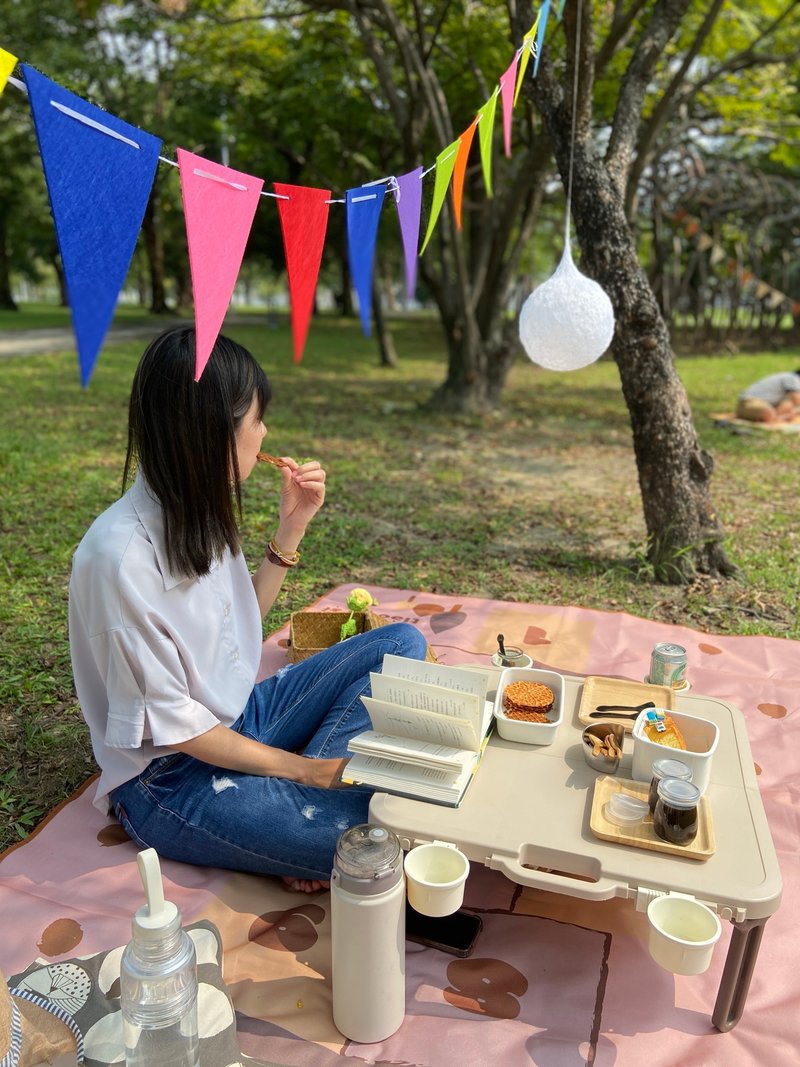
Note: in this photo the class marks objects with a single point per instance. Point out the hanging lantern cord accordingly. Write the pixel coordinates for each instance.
(574, 117)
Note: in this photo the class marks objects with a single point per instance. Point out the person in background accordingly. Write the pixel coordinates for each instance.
(775, 398)
(198, 760)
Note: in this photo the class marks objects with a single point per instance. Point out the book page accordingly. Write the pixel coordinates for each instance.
(407, 750)
(457, 678)
(422, 725)
(439, 698)
(424, 782)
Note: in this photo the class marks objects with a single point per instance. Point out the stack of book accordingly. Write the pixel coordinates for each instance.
(430, 724)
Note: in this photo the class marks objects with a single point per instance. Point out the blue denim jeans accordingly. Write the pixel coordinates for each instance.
(194, 812)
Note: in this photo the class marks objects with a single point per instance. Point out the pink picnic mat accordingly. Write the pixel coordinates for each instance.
(553, 981)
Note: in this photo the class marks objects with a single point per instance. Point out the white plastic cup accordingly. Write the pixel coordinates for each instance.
(435, 877)
(683, 933)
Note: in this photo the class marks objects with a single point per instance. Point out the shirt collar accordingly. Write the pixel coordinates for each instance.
(151, 516)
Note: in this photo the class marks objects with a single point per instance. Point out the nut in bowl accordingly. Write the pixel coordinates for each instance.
(602, 746)
(529, 705)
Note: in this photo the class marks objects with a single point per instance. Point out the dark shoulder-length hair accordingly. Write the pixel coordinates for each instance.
(181, 435)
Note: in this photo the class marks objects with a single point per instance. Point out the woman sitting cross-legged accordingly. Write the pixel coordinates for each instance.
(197, 759)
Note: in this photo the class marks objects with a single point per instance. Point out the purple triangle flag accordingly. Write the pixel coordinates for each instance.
(408, 197)
(99, 173)
(363, 215)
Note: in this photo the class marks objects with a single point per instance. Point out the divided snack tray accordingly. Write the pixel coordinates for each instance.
(599, 691)
(642, 834)
(529, 733)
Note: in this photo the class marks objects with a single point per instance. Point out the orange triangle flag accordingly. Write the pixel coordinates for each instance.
(304, 220)
(464, 145)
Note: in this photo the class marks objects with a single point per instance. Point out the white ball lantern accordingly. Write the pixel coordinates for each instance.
(568, 321)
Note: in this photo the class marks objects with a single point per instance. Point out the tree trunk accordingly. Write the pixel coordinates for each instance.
(58, 267)
(684, 534)
(7, 301)
(383, 335)
(154, 246)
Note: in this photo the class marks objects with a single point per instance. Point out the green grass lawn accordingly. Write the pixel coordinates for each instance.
(538, 503)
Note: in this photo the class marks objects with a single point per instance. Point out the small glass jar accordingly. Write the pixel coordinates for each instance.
(666, 768)
(675, 817)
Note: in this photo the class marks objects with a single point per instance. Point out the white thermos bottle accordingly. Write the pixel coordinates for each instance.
(368, 934)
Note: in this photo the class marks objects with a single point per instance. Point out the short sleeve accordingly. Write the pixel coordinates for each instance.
(147, 690)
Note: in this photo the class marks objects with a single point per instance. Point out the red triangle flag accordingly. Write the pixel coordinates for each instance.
(304, 220)
(464, 145)
(219, 204)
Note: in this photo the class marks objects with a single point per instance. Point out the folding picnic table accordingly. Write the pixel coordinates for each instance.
(527, 814)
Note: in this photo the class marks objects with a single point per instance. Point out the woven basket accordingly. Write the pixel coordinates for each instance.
(313, 631)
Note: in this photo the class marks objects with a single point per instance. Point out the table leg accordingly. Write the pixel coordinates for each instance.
(739, 965)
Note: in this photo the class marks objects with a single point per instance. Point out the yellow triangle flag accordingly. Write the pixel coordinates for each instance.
(445, 162)
(485, 127)
(7, 64)
(527, 48)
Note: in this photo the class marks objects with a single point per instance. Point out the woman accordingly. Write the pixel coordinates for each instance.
(197, 760)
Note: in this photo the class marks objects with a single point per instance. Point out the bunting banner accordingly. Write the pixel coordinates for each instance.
(408, 197)
(304, 221)
(508, 82)
(460, 168)
(219, 204)
(485, 119)
(363, 215)
(692, 228)
(7, 64)
(99, 172)
(445, 163)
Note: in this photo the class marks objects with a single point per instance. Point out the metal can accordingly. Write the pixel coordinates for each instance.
(668, 666)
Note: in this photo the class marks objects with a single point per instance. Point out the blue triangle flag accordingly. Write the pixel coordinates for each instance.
(99, 172)
(363, 215)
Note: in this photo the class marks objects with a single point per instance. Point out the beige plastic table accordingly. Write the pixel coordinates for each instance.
(741, 881)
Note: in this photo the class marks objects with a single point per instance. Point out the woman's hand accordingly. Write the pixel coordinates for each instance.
(302, 495)
(325, 773)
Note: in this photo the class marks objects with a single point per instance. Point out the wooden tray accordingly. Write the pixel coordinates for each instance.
(642, 834)
(600, 690)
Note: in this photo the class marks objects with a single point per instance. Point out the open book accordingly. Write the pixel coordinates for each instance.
(430, 724)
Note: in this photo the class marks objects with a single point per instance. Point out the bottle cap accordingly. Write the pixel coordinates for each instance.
(158, 916)
(366, 857)
(671, 768)
(678, 794)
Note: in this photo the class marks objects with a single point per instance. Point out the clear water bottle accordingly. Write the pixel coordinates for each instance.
(368, 934)
(158, 981)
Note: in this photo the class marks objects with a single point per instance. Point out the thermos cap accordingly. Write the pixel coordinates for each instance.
(368, 858)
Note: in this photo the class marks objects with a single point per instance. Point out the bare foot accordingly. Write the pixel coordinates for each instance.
(304, 885)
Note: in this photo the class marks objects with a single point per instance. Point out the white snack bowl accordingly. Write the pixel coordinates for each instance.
(700, 735)
(529, 733)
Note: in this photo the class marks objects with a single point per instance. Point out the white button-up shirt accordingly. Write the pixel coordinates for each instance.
(157, 659)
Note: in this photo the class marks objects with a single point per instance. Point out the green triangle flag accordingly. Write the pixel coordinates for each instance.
(445, 162)
(485, 128)
(7, 64)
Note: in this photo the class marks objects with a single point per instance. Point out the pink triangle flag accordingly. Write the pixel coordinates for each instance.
(408, 197)
(507, 86)
(219, 204)
(304, 219)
